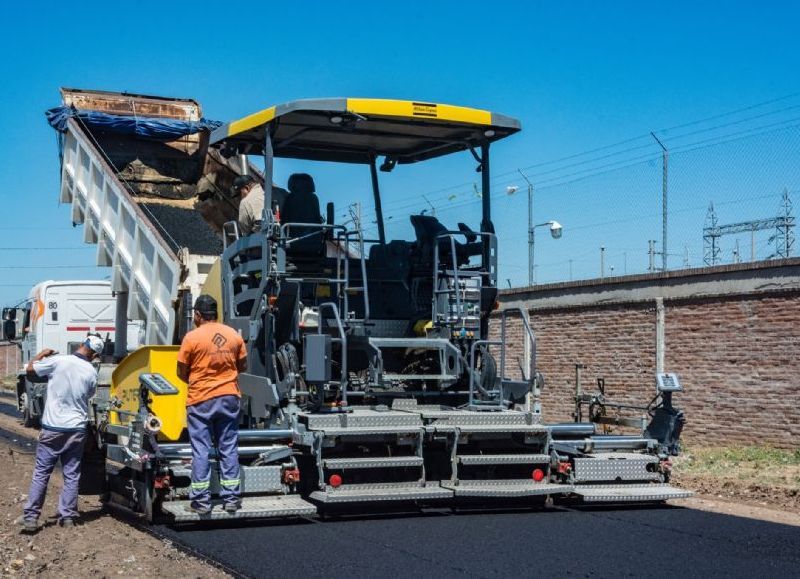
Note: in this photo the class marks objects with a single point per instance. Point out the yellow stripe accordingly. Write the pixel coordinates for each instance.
(419, 110)
(251, 121)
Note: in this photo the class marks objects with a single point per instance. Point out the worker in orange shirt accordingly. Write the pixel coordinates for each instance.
(210, 359)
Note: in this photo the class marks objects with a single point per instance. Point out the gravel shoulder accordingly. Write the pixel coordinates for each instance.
(100, 545)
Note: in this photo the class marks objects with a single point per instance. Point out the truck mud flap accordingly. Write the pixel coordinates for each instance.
(252, 508)
(630, 493)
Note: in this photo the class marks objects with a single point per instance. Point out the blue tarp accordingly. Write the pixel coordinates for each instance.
(147, 127)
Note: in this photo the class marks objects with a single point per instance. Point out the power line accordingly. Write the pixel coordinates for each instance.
(48, 266)
(46, 248)
(406, 203)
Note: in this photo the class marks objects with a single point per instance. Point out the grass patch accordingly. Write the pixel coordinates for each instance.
(716, 459)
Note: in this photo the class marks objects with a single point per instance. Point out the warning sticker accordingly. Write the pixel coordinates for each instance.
(424, 110)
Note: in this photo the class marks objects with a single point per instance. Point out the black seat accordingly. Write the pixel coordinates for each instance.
(427, 229)
(302, 206)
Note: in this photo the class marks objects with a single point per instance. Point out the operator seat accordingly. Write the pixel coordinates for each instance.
(302, 206)
(427, 228)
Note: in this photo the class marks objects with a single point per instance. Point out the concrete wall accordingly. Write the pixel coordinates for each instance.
(732, 334)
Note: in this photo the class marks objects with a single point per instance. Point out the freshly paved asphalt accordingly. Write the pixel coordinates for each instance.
(633, 542)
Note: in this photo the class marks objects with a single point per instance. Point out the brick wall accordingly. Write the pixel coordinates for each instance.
(737, 352)
(9, 359)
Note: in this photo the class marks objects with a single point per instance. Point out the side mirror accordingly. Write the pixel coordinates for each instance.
(9, 324)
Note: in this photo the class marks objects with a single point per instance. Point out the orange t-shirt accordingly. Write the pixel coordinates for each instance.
(211, 353)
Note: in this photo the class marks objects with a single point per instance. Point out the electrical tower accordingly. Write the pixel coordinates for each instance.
(783, 238)
(711, 249)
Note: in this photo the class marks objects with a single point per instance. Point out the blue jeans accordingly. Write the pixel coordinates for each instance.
(67, 446)
(214, 420)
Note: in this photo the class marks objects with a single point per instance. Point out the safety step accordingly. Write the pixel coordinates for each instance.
(381, 492)
(358, 431)
(361, 418)
(504, 488)
(629, 493)
(616, 467)
(372, 462)
(252, 508)
(487, 428)
(503, 458)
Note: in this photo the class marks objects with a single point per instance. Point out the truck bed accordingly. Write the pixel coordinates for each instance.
(155, 209)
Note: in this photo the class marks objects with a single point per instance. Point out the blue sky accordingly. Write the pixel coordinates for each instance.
(578, 75)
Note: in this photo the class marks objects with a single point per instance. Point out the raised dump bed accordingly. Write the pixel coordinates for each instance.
(154, 206)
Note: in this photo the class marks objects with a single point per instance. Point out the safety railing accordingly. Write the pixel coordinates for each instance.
(341, 340)
(494, 397)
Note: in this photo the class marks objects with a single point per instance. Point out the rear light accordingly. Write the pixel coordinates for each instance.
(564, 467)
(162, 481)
(335, 480)
(538, 475)
(291, 476)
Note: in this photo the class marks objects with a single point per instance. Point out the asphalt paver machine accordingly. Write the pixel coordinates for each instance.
(372, 375)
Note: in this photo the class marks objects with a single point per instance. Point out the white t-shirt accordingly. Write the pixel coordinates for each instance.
(73, 381)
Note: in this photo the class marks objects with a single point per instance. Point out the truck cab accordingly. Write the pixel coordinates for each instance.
(59, 315)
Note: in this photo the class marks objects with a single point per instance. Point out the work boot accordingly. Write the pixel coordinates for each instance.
(67, 523)
(30, 526)
(232, 506)
(201, 510)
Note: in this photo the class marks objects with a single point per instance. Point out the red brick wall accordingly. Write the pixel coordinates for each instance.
(738, 359)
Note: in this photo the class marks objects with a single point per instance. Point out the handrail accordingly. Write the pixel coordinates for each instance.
(451, 236)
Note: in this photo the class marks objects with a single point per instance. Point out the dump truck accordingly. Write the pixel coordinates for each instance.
(372, 376)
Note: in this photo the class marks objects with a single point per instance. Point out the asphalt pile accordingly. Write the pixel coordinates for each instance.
(184, 227)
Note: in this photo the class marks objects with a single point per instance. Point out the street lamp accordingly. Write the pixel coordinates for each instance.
(555, 232)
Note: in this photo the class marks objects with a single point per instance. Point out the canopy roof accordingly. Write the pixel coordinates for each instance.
(356, 130)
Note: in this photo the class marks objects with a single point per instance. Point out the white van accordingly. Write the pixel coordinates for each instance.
(59, 315)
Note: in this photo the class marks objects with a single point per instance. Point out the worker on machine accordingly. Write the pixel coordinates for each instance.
(210, 359)
(251, 204)
(72, 382)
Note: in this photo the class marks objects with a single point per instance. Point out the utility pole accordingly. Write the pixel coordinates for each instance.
(686, 257)
(602, 261)
(736, 255)
(651, 253)
(664, 168)
(530, 227)
(752, 244)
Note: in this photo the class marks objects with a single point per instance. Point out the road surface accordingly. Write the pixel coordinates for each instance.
(633, 542)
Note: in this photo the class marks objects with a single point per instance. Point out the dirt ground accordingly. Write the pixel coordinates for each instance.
(100, 545)
(755, 483)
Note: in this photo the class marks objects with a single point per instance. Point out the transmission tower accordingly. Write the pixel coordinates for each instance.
(782, 224)
(711, 236)
(784, 230)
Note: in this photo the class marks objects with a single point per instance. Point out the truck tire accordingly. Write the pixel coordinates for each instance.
(28, 419)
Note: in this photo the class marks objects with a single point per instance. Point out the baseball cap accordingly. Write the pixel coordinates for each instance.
(95, 344)
(241, 181)
(205, 304)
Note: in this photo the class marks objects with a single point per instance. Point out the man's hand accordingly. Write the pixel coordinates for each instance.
(46, 353)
